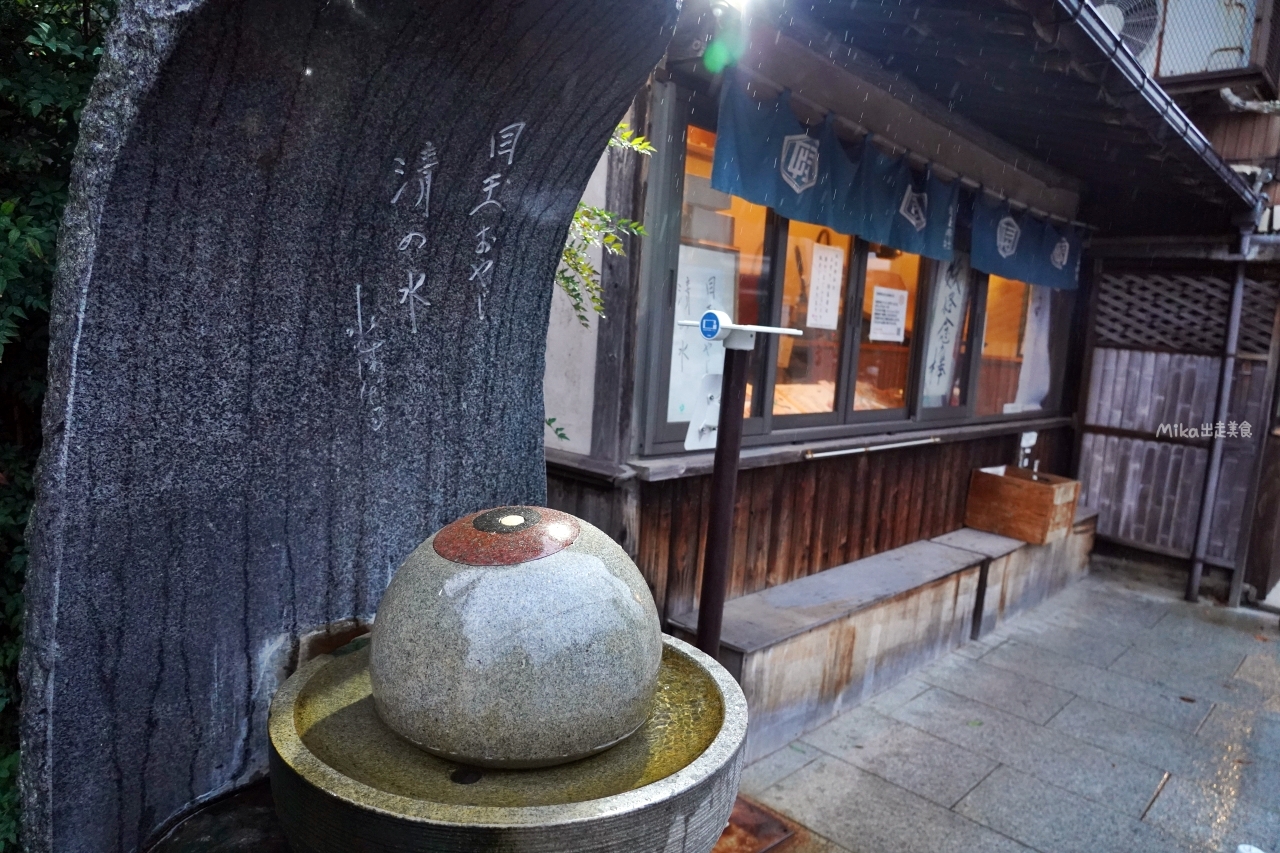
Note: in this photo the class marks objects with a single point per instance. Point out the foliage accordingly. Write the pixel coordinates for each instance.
(626, 139)
(595, 226)
(558, 430)
(49, 54)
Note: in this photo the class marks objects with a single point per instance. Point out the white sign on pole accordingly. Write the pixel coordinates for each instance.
(706, 279)
(826, 281)
(888, 315)
(704, 420)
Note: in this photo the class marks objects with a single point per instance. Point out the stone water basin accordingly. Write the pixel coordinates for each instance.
(342, 780)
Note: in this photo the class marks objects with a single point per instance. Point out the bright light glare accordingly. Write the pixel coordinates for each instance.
(559, 531)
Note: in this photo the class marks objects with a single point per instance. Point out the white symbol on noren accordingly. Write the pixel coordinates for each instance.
(915, 209)
(1060, 254)
(799, 164)
(1007, 234)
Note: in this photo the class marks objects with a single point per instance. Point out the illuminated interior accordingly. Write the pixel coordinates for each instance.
(722, 240)
(814, 284)
(884, 365)
(1012, 376)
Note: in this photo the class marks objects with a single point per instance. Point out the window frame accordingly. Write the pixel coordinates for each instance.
(907, 412)
(659, 437)
(1059, 352)
(844, 378)
(658, 431)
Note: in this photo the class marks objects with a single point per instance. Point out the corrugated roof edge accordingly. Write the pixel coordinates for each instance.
(1084, 17)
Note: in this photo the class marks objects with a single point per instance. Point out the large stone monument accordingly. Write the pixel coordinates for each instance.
(299, 325)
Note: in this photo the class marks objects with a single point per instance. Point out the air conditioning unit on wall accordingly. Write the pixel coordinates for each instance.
(1190, 45)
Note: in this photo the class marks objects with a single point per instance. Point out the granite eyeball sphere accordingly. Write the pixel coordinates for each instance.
(516, 637)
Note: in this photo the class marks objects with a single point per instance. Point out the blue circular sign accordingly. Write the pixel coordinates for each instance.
(709, 325)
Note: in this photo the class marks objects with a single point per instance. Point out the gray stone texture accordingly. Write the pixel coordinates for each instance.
(343, 784)
(528, 665)
(861, 811)
(935, 769)
(244, 433)
(1007, 691)
(765, 618)
(1069, 704)
(1046, 817)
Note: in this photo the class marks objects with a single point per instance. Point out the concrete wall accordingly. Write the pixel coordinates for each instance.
(568, 386)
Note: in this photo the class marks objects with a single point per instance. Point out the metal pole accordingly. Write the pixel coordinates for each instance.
(724, 488)
(1263, 439)
(1208, 497)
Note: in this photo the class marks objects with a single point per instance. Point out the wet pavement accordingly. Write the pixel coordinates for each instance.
(1113, 717)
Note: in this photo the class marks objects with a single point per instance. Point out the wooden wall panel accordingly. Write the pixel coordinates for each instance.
(1244, 136)
(795, 520)
(1239, 456)
(1146, 492)
(1137, 391)
(1147, 486)
(596, 501)
(1263, 567)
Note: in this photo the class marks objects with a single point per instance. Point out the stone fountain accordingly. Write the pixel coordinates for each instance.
(516, 694)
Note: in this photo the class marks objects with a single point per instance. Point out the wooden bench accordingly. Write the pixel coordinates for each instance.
(1018, 576)
(805, 650)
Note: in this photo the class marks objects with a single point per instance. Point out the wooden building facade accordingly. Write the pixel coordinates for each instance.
(850, 448)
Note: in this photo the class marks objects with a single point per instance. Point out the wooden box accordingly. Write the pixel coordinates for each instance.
(1021, 504)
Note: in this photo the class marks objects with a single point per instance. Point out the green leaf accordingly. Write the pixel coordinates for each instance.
(559, 431)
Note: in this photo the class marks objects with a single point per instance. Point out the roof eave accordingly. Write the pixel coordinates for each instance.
(1083, 20)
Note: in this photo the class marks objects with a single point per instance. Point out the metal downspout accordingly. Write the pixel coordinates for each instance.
(1207, 498)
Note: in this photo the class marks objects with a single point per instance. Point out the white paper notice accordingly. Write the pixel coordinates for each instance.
(826, 281)
(888, 315)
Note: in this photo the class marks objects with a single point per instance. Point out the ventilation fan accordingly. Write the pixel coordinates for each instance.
(1135, 21)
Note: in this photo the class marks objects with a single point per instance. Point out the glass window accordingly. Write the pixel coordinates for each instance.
(721, 266)
(946, 356)
(989, 348)
(816, 274)
(888, 313)
(1015, 374)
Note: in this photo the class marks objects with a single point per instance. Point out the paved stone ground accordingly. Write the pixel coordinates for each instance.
(1114, 717)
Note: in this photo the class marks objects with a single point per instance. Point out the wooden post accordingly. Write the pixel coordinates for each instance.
(724, 488)
(1209, 495)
